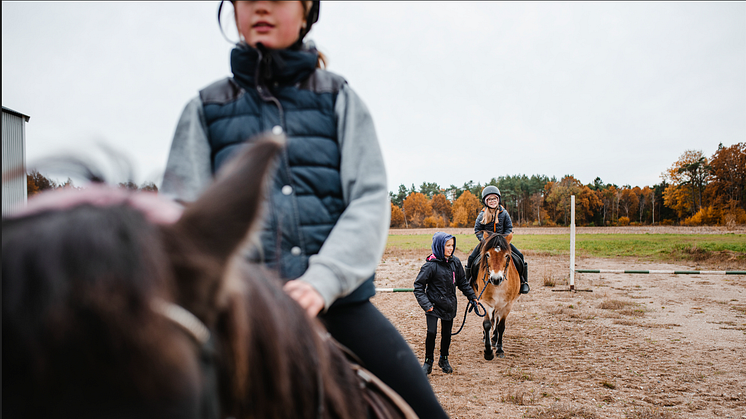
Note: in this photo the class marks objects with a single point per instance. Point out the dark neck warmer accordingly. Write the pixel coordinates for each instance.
(253, 67)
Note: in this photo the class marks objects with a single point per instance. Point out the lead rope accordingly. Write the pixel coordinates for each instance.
(472, 306)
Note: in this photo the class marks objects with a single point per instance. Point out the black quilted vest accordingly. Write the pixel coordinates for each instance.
(283, 91)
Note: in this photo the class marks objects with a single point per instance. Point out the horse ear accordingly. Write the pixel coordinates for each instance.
(221, 218)
(212, 228)
(508, 238)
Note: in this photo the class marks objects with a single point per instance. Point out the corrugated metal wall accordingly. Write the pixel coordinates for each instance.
(14, 156)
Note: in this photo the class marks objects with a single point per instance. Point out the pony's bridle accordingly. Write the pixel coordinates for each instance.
(198, 331)
(505, 270)
(184, 318)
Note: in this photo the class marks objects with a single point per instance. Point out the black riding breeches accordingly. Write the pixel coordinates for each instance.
(369, 335)
(445, 335)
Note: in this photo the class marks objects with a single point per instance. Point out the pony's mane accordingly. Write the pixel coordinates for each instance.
(77, 288)
(291, 370)
(492, 241)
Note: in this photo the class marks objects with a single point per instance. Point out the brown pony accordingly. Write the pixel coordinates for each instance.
(114, 307)
(498, 283)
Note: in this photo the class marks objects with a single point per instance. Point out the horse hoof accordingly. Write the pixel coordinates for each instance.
(488, 355)
(501, 355)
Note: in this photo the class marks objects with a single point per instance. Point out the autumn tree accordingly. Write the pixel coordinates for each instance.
(130, 185)
(397, 216)
(37, 182)
(728, 170)
(442, 207)
(416, 208)
(688, 178)
(465, 210)
(31, 187)
(628, 200)
(559, 200)
(149, 187)
(70, 185)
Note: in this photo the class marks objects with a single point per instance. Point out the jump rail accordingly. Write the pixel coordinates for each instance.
(653, 271)
(394, 289)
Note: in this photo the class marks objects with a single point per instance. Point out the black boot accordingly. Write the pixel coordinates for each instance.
(428, 366)
(524, 279)
(444, 365)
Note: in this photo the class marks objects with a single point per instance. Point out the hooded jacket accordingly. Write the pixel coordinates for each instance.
(329, 180)
(436, 283)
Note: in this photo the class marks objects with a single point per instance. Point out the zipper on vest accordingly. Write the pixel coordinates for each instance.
(261, 88)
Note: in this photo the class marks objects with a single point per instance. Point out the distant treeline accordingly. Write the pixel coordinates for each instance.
(695, 190)
(37, 182)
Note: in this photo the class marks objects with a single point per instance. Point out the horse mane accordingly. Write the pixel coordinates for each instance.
(291, 369)
(79, 330)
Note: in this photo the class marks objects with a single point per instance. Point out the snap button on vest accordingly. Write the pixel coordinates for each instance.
(287, 190)
(277, 130)
(295, 251)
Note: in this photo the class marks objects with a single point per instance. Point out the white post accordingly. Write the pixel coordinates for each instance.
(572, 242)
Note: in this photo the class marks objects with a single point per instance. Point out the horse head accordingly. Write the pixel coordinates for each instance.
(125, 304)
(496, 254)
(98, 290)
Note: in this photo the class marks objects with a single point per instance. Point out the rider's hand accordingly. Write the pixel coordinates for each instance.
(305, 295)
(431, 309)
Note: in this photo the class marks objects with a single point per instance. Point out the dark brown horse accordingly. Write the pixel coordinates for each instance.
(116, 304)
(499, 284)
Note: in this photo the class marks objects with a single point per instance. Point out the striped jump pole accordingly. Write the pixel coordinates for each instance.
(572, 243)
(655, 271)
(394, 289)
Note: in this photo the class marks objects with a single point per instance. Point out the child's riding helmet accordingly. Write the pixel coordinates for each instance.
(490, 190)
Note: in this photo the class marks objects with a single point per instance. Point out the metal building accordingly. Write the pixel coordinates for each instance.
(14, 159)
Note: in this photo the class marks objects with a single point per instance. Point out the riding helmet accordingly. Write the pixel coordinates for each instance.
(311, 18)
(489, 190)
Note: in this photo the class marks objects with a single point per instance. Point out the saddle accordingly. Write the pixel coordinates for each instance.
(517, 261)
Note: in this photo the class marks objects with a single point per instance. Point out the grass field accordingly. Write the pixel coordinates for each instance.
(645, 246)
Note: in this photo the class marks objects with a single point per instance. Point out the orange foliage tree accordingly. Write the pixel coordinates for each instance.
(465, 210)
(416, 208)
(728, 177)
(442, 208)
(558, 201)
(629, 201)
(397, 216)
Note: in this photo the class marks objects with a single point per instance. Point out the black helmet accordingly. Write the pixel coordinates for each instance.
(311, 18)
(489, 190)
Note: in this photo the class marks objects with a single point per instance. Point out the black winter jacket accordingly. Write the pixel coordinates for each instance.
(436, 284)
(504, 224)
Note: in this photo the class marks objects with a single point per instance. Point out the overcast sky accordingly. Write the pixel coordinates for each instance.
(458, 91)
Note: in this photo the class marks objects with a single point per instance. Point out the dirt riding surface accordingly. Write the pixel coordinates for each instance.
(637, 346)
